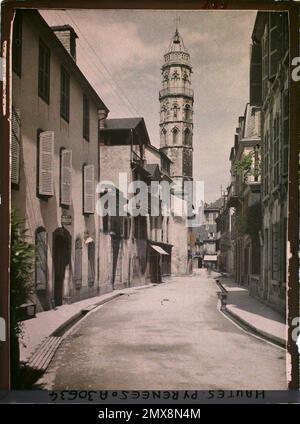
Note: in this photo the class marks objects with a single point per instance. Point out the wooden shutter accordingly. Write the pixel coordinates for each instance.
(46, 159)
(91, 263)
(88, 189)
(15, 146)
(273, 44)
(256, 75)
(66, 177)
(41, 270)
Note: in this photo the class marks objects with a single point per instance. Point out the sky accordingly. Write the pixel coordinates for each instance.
(121, 53)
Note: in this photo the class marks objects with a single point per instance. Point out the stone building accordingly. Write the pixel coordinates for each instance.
(270, 91)
(245, 198)
(259, 158)
(54, 166)
(136, 248)
(206, 237)
(225, 239)
(176, 99)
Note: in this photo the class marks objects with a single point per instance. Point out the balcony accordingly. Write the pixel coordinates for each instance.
(232, 197)
(176, 91)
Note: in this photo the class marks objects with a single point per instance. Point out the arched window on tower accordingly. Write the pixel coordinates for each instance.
(175, 135)
(185, 76)
(164, 136)
(187, 112)
(175, 110)
(164, 113)
(166, 76)
(175, 76)
(187, 136)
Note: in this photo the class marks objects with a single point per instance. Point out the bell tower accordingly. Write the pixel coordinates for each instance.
(176, 99)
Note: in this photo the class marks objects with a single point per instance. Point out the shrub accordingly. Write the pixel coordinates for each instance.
(21, 284)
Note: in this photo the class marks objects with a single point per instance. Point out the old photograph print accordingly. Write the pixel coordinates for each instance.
(149, 190)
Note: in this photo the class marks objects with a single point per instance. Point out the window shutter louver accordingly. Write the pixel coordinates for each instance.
(273, 44)
(46, 158)
(15, 146)
(88, 189)
(66, 177)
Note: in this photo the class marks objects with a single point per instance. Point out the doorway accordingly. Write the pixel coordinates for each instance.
(61, 259)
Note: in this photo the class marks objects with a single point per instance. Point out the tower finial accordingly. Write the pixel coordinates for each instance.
(177, 20)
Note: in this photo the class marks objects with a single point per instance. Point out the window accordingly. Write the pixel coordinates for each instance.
(44, 72)
(164, 137)
(175, 111)
(15, 147)
(273, 43)
(265, 66)
(285, 125)
(17, 45)
(187, 135)
(187, 113)
(86, 118)
(175, 135)
(65, 94)
(88, 189)
(91, 263)
(66, 177)
(185, 76)
(78, 264)
(41, 267)
(45, 163)
(175, 76)
(275, 155)
(266, 164)
(275, 252)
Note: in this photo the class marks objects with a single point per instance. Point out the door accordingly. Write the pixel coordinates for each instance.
(61, 251)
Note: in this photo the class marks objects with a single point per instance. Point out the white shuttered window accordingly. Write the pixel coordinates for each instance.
(46, 160)
(66, 177)
(15, 146)
(88, 189)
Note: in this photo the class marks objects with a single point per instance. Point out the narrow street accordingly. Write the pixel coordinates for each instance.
(170, 336)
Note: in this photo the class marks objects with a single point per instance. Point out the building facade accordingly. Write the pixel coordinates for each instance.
(54, 166)
(245, 198)
(270, 55)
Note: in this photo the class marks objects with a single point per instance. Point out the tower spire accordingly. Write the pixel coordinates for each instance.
(176, 109)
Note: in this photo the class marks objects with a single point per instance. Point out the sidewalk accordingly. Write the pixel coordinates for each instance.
(38, 329)
(254, 314)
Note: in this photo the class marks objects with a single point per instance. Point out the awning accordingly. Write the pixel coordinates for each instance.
(211, 258)
(159, 250)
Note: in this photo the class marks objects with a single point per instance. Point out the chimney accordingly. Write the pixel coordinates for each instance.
(67, 36)
(102, 115)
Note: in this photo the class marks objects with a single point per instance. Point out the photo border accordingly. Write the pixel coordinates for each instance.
(7, 14)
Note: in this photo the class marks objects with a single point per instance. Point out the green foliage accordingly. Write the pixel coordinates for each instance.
(246, 165)
(250, 222)
(21, 270)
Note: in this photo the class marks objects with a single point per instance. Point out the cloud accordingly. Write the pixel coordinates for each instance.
(122, 60)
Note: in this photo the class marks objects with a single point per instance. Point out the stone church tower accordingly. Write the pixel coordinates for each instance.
(176, 110)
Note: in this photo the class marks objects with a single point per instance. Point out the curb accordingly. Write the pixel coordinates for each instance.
(246, 325)
(251, 328)
(65, 326)
(62, 330)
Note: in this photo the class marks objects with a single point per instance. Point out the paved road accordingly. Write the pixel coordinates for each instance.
(169, 336)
